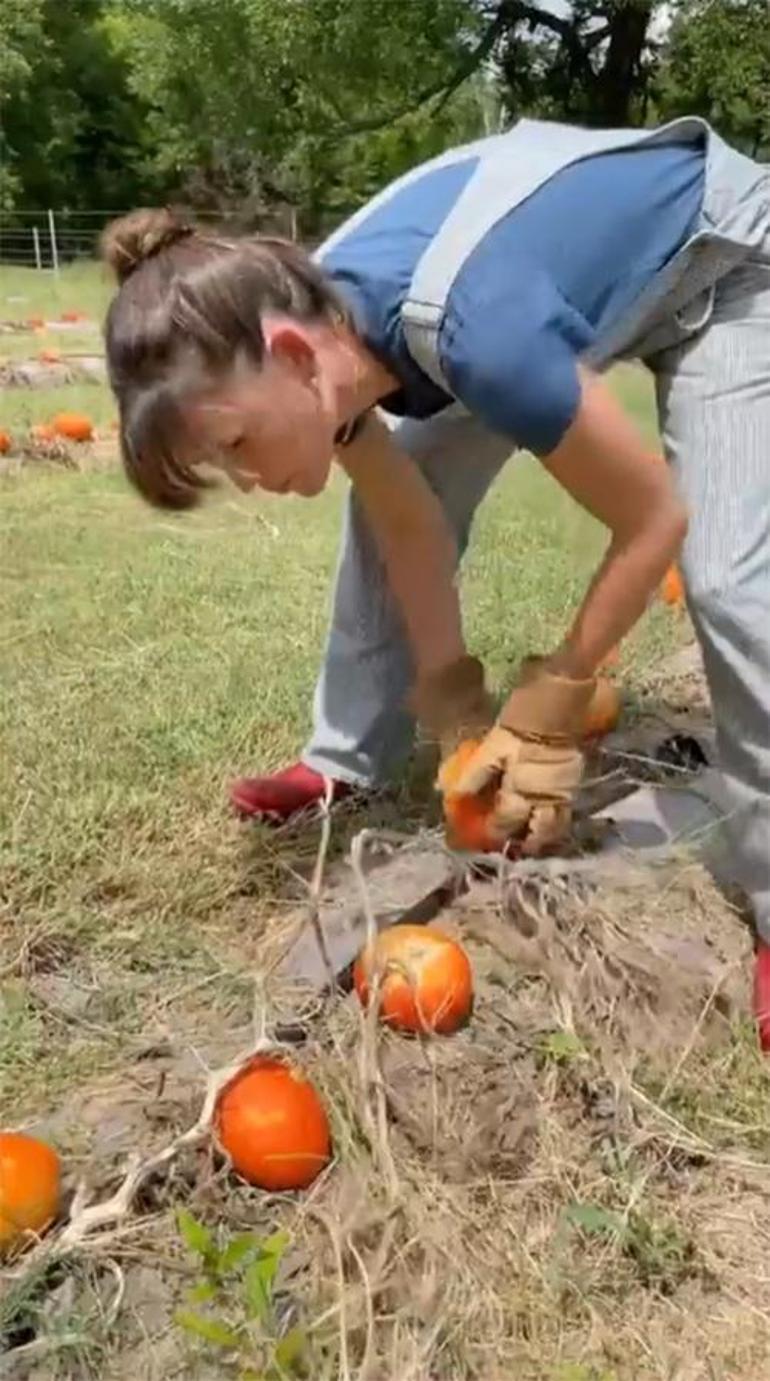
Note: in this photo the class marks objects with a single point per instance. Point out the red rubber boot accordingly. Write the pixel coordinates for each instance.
(284, 793)
(762, 995)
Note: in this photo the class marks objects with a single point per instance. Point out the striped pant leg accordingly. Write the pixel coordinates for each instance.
(714, 404)
(361, 729)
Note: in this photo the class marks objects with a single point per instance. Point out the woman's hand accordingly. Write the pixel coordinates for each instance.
(532, 758)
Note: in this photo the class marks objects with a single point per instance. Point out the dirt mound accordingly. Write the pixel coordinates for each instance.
(552, 1182)
(71, 369)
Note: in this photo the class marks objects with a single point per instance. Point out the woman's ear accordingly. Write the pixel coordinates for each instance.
(288, 343)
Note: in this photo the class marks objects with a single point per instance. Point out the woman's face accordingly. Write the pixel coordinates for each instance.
(271, 427)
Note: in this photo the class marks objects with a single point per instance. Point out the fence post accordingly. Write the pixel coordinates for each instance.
(54, 246)
(36, 241)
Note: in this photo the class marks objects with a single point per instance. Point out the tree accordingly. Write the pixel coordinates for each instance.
(590, 63)
(717, 65)
(311, 105)
(258, 97)
(73, 131)
(20, 37)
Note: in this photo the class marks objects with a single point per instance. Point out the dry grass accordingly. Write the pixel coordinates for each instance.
(563, 1204)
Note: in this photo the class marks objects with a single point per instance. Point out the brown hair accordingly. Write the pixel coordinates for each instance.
(187, 304)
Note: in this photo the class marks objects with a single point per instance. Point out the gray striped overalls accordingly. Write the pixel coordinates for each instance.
(703, 327)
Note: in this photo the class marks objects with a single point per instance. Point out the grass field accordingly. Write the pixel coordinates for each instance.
(146, 659)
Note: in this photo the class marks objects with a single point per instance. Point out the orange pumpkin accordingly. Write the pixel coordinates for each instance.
(5, 442)
(74, 425)
(271, 1123)
(30, 1187)
(467, 817)
(426, 979)
(604, 709)
(34, 323)
(42, 431)
(49, 356)
(671, 589)
(71, 315)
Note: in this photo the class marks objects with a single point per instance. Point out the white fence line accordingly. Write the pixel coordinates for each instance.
(47, 238)
(43, 239)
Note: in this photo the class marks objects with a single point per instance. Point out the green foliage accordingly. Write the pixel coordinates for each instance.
(561, 1048)
(73, 132)
(580, 1371)
(662, 1255)
(305, 84)
(309, 106)
(718, 65)
(20, 39)
(237, 1291)
(20, 36)
(594, 1220)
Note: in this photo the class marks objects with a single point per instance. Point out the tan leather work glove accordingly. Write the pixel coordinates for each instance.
(453, 704)
(532, 755)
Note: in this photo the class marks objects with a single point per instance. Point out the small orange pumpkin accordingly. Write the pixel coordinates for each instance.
(49, 356)
(426, 979)
(272, 1124)
(71, 316)
(42, 431)
(74, 425)
(30, 1187)
(603, 710)
(467, 817)
(34, 323)
(5, 442)
(671, 589)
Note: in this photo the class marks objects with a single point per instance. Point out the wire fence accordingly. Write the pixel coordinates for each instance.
(50, 237)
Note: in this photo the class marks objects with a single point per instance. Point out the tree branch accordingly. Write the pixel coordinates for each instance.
(507, 15)
(444, 89)
(514, 12)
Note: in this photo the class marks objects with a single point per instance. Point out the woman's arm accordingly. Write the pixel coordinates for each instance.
(415, 541)
(604, 464)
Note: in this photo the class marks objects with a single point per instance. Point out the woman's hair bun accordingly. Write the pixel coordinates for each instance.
(130, 240)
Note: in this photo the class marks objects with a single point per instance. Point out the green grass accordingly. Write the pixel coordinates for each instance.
(24, 407)
(81, 287)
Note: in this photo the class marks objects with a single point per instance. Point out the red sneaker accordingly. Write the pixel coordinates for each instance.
(762, 995)
(283, 794)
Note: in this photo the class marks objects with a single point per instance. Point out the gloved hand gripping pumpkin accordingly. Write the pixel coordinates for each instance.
(530, 756)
